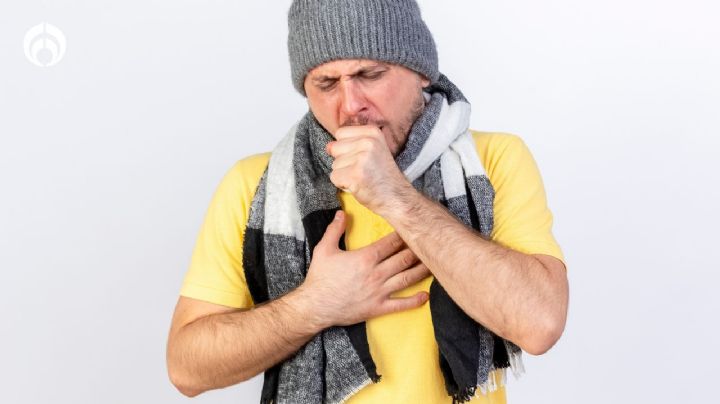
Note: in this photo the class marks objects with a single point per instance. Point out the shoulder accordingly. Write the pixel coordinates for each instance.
(215, 274)
(494, 139)
(236, 189)
(522, 218)
(498, 150)
(244, 176)
(250, 168)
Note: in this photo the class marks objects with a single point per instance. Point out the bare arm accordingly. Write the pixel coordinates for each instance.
(231, 345)
(212, 346)
(520, 297)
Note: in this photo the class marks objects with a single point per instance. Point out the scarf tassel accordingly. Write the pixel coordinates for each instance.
(463, 395)
(494, 381)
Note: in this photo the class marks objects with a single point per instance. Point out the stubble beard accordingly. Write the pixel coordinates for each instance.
(400, 136)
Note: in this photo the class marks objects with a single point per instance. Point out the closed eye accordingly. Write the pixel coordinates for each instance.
(373, 75)
(327, 85)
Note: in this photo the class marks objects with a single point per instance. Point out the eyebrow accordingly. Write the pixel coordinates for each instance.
(365, 69)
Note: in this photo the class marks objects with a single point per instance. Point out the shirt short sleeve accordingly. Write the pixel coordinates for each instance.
(215, 274)
(522, 218)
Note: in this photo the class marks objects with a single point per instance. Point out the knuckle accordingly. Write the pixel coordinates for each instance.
(366, 262)
(334, 177)
(375, 256)
(378, 310)
(408, 258)
(391, 306)
(358, 170)
(363, 156)
(396, 241)
(404, 304)
(375, 276)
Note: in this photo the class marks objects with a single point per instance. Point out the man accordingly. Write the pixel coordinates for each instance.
(381, 253)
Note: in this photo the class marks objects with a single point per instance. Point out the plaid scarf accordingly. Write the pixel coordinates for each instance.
(293, 205)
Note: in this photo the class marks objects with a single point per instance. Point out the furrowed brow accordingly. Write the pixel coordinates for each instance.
(371, 68)
(323, 79)
(365, 69)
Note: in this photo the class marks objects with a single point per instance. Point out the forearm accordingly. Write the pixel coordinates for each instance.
(225, 349)
(509, 292)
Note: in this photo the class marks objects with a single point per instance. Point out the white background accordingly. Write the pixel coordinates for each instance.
(109, 159)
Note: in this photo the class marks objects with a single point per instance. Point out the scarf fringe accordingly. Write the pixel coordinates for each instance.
(464, 395)
(494, 381)
(516, 364)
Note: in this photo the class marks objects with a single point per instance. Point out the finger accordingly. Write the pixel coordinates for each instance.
(345, 160)
(349, 145)
(397, 262)
(342, 178)
(346, 132)
(384, 247)
(407, 278)
(334, 231)
(395, 304)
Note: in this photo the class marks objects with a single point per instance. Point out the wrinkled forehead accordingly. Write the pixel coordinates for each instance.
(346, 66)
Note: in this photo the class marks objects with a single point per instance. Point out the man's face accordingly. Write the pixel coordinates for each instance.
(351, 92)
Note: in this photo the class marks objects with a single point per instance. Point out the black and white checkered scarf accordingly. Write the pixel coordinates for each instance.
(293, 205)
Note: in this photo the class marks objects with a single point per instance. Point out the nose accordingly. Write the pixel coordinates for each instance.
(352, 99)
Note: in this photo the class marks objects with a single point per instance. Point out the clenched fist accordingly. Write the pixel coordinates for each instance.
(364, 166)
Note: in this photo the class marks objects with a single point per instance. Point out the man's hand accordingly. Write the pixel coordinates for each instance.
(365, 166)
(212, 346)
(347, 287)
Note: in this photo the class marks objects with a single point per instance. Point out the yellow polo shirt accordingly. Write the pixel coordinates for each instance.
(402, 344)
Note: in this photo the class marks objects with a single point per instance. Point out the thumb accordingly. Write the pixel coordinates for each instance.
(334, 231)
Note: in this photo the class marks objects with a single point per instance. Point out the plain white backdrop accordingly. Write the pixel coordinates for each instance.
(108, 161)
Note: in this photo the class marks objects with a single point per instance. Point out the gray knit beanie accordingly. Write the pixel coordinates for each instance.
(387, 30)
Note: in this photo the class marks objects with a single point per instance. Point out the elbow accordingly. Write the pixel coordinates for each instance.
(539, 346)
(183, 383)
(544, 337)
(190, 385)
(188, 391)
(178, 372)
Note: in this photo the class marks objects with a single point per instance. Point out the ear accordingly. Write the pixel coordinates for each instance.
(424, 81)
